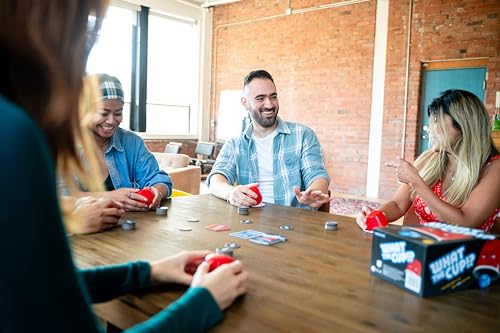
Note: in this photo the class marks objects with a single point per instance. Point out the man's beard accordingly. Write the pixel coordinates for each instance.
(264, 122)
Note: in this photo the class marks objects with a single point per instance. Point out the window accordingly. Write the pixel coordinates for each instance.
(172, 81)
(112, 54)
(232, 118)
(171, 84)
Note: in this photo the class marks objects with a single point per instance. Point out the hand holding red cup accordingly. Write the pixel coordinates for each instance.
(256, 190)
(375, 219)
(217, 259)
(147, 193)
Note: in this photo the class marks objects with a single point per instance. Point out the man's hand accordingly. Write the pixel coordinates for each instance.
(242, 195)
(311, 198)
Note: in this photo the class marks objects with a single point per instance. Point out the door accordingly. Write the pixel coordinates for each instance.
(438, 80)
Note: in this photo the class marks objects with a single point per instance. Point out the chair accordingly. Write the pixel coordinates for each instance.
(184, 177)
(178, 193)
(173, 147)
(326, 206)
(204, 151)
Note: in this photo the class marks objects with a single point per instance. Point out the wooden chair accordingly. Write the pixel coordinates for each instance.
(326, 206)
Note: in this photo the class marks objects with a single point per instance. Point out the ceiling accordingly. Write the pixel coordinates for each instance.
(207, 3)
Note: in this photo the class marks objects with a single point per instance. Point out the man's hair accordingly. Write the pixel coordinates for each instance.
(258, 74)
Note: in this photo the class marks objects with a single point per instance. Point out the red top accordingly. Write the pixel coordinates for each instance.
(425, 214)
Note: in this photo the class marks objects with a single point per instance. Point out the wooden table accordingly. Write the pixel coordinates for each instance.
(318, 281)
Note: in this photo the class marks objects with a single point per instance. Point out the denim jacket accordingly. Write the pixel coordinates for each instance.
(297, 161)
(131, 164)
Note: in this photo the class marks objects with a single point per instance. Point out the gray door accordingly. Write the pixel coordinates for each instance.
(437, 81)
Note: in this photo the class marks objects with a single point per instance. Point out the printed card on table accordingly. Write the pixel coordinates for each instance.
(246, 234)
(268, 239)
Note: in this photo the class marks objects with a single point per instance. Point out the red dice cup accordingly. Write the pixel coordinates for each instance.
(146, 193)
(216, 259)
(257, 191)
(376, 219)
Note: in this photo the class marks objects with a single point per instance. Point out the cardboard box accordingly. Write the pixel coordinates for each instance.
(435, 258)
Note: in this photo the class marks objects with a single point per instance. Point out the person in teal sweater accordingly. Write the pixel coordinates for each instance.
(43, 49)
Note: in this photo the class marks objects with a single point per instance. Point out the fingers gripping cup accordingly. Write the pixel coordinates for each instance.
(148, 194)
(257, 191)
(217, 259)
(376, 219)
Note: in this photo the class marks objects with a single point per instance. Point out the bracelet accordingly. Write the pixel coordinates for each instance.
(159, 191)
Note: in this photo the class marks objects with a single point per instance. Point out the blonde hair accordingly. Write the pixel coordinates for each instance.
(71, 171)
(471, 151)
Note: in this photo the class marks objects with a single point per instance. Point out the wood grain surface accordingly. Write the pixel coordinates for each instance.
(318, 281)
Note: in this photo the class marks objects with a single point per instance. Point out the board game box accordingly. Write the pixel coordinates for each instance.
(435, 258)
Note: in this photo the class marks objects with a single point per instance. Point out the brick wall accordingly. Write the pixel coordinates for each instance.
(322, 65)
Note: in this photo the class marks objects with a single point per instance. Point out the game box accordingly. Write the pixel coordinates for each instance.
(435, 258)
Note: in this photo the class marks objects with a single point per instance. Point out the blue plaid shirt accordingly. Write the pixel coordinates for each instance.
(297, 161)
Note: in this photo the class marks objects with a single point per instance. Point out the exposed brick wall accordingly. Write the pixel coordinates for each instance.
(322, 62)
(441, 30)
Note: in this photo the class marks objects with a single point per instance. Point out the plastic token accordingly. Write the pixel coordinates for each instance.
(128, 225)
(224, 250)
(331, 225)
(286, 227)
(193, 219)
(246, 222)
(185, 228)
(162, 210)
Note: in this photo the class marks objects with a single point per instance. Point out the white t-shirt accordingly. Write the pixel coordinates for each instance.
(264, 148)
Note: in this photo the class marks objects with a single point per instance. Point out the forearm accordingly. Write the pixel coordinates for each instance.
(399, 204)
(392, 211)
(107, 282)
(195, 311)
(320, 184)
(162, 189)
(220, 187)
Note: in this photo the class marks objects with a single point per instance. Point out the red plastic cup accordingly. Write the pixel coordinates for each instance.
(376, 219)
(217, 259)
(257, 191)
(146, 193)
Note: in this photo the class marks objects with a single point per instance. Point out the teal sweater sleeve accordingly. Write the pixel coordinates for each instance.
(40, 290)
(180, 316)
(107, 282)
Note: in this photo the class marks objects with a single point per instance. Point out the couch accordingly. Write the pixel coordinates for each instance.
(185, 177)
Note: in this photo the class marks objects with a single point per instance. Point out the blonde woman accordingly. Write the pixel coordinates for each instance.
(457, 180)
(43, 48)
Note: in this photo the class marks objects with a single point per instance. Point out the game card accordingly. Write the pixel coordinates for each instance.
(268, 239)
(218, 227)
(246, 234)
